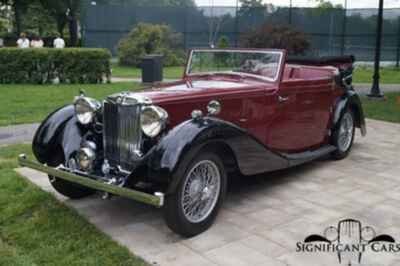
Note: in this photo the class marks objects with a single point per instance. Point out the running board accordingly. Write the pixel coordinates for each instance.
(299, 158)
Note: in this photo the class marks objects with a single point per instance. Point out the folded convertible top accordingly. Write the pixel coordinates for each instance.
(321, 61)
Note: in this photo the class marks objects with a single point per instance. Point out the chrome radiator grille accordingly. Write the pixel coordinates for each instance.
(122, 134)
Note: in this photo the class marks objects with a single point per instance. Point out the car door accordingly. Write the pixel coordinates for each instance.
(287, 131)
(315, 99)
(301, 116)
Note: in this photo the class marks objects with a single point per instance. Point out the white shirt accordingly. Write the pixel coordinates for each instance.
(23, 43)
(59, 43)
(37, 44)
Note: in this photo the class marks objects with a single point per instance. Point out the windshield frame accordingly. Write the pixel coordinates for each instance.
(237, 50)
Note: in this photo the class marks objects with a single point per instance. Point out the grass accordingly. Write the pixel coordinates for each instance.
(388, 110)
(36, 229)
(387, 75)
(32, 103)
(132, 72)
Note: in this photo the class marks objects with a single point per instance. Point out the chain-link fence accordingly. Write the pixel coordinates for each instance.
(331, 31)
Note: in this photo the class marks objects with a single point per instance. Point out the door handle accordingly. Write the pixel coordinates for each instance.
(283, 99)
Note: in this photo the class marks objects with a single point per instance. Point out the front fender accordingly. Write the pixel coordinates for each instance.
(59, 132)
(251, 155)
(350, 100)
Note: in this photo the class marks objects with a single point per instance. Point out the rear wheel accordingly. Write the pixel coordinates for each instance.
(193, 207)
(343, 136)
(68, 189)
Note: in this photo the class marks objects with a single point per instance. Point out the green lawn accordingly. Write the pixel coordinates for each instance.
(32, 103)
(388, 110)
(132, 72)
(388, 75)
(36, 229)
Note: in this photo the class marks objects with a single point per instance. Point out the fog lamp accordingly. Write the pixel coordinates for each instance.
(85, 158)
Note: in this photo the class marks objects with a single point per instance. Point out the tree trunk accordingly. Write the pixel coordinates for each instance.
(61, 22)
(18, 16)
(73, 28)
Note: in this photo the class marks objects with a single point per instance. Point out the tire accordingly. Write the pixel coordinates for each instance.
(179, 220)
(343, 136)
(65, 188)
(70, 190)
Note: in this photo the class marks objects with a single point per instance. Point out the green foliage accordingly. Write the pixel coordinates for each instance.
(3, 26)
(223, 42)
(151, 39)
(323, 4)
(279, 37)
(38, 21)
(252, 9)
(38, 66)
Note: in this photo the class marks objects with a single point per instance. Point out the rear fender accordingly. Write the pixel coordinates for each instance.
(351, 101)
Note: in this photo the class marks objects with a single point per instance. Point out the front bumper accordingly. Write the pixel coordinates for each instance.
(156, 200)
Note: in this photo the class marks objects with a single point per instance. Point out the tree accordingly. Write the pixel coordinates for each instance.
(65, 12)
(147, 39)
(19, 7)
(58, 11)
(279, 37)
(252, 12)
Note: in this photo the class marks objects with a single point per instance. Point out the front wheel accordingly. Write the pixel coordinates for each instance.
(192, 208)
(343, 136)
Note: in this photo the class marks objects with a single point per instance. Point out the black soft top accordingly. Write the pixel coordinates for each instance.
(321, 61)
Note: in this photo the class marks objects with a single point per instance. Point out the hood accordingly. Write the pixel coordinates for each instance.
(185, 90)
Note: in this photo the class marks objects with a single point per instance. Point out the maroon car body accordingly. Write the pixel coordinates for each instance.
(174, 145)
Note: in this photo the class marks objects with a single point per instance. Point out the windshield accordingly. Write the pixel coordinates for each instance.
(262, 64)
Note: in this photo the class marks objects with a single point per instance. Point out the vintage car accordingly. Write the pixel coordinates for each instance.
(174, 145)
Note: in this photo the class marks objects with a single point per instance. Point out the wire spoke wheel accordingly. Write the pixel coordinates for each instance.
(346, 132)
(201, 191)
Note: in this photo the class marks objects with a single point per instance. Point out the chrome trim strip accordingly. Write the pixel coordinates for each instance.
(156, 200)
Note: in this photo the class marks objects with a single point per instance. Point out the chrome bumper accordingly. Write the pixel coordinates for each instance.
(156, 200)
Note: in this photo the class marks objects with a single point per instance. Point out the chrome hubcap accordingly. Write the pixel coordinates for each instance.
(346, 132)
(201, 191)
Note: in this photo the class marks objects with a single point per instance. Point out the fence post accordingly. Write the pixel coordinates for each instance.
(237, 25)
(185, 28)
(290, 12)
(398, 44)
(344, 30)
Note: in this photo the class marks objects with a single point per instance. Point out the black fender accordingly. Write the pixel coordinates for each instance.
(186, 139)
(59, 132)
(350, 100)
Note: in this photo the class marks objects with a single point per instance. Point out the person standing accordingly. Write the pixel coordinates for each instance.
(23, 42)
(37, 42)
(59, 43)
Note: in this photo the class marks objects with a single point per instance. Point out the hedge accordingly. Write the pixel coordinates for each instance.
(47, 65)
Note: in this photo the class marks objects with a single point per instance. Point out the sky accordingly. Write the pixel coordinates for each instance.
(308, 3)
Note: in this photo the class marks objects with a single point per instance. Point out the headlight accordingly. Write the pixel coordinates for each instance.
(153, 120)
(85, 109)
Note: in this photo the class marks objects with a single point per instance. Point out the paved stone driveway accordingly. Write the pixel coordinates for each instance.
(265, 216)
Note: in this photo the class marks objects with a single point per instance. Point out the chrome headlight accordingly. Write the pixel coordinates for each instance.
(152, 120)
(85, 109)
